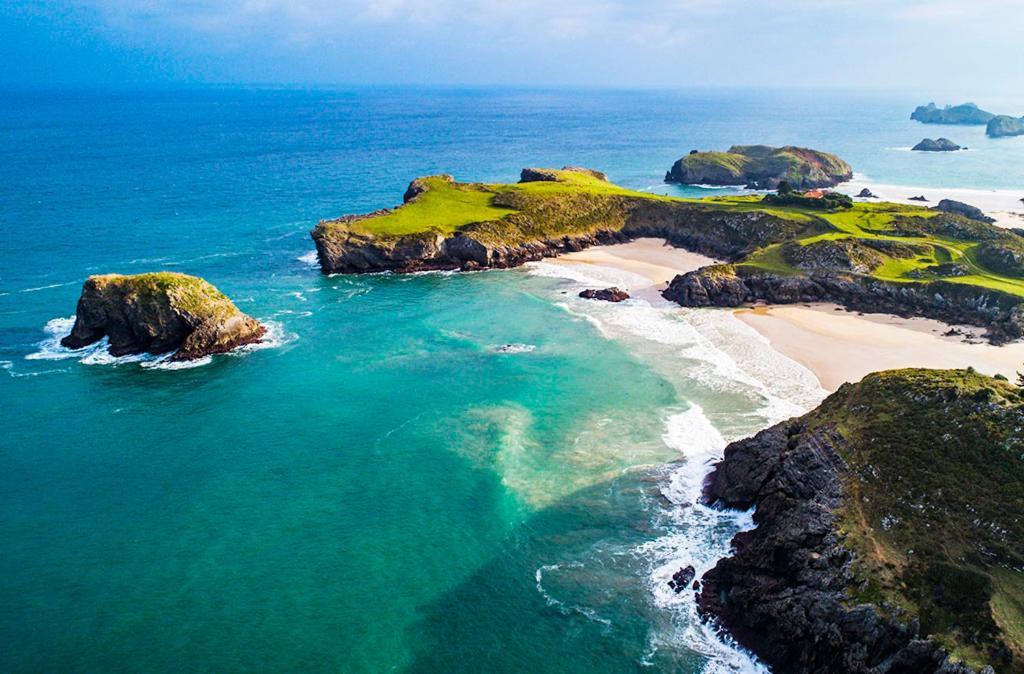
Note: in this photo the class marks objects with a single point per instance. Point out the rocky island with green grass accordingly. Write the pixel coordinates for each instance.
(781, 248)
(159, 313)
(890, 530)
(761, 167)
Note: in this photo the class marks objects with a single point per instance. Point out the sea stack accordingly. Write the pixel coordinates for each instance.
(159, 313)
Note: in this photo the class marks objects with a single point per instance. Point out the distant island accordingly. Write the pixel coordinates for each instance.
(793, 246)
(936, 145)
(965, 113)
(890, 530)
(159, 313)
(761, 167)
(1003, 126)
(996, 126)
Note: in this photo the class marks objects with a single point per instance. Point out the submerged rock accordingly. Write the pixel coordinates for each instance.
(158, 313)
(606, 294)
(919, 197)
(682, 578)
(866, 194)
(937, 145)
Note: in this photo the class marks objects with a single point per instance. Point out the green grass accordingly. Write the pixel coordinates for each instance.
(578, 202)
(190, 294)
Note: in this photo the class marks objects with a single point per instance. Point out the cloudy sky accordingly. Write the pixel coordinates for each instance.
(968, 46)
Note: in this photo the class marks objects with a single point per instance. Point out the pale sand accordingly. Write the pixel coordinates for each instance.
(1003, 205)
(837, 346)
(654, 262)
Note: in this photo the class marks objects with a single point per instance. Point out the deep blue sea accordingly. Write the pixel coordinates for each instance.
(385, 487)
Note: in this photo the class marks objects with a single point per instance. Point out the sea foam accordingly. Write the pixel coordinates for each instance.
(98, 353)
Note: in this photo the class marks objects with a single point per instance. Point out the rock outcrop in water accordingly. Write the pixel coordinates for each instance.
(159, 313)
(605, 294)
(1004, 126)
(761, 167)
(890, 527)
(936, 145)
(966, 113)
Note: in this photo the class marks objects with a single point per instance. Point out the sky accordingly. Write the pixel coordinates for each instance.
(972, 47)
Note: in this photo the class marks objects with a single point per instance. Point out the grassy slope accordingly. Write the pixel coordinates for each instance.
(936, 507)
(539, 209)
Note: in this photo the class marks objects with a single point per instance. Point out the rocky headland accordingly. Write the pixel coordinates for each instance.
(936, 145)
(965, 113)
(889, 530)
(788, 247)
(761, 167)
(159, 313)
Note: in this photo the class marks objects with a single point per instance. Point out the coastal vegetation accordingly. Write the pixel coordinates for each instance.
(157, 313)
(892, 513)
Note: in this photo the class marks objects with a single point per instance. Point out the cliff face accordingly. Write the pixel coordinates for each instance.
(889, 526)
(157, 313)
(735, 285)
(761, 167)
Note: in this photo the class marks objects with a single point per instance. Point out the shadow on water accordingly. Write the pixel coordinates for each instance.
(567, 592)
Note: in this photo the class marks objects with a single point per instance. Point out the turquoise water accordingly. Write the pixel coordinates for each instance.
(388, 487)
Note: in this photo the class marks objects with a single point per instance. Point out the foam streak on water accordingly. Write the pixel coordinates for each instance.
(733, 384)
(98, 353)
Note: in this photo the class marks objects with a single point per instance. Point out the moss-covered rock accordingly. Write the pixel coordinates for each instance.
(158, 313)
(761, 167)
(890, 528)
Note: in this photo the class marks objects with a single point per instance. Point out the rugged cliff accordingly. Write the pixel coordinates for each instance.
(158, 313)
(889, 530)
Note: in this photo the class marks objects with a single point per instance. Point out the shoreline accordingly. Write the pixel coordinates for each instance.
(1005, 206)
(834, 344)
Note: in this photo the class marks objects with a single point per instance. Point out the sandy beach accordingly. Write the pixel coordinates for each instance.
(1005, 206)
(836, 345)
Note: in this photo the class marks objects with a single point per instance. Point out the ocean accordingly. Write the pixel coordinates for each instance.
(426, 473)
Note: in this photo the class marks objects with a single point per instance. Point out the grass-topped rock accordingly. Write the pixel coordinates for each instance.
(890, 530)
(444, 224)
(158, 313)
(761, 167)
